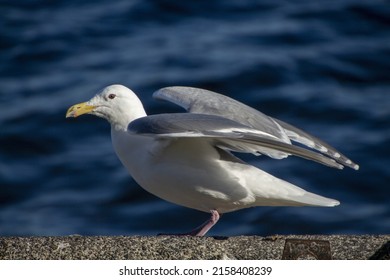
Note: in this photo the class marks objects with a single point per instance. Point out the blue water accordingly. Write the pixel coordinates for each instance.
(323, 66)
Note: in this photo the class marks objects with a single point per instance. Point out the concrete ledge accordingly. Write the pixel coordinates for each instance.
(339, 247)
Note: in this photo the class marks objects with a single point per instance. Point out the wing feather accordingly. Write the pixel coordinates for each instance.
(202, 101)
(225, 133)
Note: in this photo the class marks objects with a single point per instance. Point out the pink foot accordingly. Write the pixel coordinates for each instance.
(203, 228)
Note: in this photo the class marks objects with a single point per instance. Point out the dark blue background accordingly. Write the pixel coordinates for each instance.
(320, 65)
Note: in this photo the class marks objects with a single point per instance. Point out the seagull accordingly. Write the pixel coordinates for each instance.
(187, 158)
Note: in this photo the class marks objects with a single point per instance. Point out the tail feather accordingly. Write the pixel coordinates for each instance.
(311, 199)
(283, 193)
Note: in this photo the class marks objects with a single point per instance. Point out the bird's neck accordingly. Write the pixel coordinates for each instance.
(121, 123)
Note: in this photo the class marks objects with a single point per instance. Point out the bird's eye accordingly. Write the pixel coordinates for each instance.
(111, 96)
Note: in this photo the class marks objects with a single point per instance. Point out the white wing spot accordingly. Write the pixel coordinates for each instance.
(324, 149)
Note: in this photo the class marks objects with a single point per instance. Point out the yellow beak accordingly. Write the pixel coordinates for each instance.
(79, 109)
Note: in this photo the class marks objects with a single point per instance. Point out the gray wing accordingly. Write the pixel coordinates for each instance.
(201, 101)
(313, 142)
(224, 133)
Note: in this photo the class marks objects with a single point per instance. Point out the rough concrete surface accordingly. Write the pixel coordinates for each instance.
(339, 247)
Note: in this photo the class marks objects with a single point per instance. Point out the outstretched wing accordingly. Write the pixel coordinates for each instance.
(202, 101)
(223, 133)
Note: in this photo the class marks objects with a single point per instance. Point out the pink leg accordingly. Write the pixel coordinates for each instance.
(206, 226)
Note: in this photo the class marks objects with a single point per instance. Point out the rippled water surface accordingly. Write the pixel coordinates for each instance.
(320, 65)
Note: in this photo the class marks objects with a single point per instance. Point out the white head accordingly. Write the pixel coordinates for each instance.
(116, 103)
